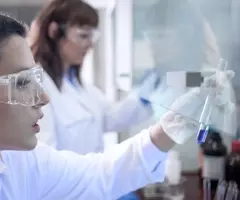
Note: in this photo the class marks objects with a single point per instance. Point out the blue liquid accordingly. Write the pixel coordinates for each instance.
(202, 135)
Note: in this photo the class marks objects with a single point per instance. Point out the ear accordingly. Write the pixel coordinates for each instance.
(52, 30)
(33, 32)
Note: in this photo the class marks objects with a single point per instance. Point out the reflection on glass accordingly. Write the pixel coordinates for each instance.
(179, 36)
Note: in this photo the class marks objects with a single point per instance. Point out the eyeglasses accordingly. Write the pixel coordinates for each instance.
(82, 36)
(25, 87)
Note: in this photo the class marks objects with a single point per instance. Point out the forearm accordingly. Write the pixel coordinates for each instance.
(162, 141)
(140, 161)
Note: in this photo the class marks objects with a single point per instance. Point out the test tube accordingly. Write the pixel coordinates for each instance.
(207, 110)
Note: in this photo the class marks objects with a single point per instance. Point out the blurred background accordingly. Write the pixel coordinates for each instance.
(122, 54)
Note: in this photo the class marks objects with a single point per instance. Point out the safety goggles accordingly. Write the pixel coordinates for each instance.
(24, 88)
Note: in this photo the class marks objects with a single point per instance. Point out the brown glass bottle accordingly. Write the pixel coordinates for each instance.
(232, 168)
(214, 155)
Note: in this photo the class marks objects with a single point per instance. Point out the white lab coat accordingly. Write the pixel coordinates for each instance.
(47, 174)
(77, 118)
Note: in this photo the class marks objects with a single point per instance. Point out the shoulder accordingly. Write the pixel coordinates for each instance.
(30, 169)
(36, 163)
(27, 158)
(26, 167)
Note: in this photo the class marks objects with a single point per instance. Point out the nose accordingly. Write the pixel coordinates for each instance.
(45, 98)
(90, 43)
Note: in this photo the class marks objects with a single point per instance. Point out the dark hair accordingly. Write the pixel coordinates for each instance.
(45, 49)
(10, 26)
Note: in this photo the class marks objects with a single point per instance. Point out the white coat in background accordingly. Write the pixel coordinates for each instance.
(77, 118)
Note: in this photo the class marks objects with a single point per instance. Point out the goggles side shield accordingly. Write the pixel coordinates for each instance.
(25, 87)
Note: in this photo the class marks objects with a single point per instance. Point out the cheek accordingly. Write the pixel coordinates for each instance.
(12, 123)
(70, 51)
(16, 117)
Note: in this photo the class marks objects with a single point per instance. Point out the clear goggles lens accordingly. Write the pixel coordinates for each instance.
(25, 87)
(81, 36)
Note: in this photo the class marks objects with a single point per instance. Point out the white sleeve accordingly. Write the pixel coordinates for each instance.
(47, 124)
(124, 114)
(126, 167)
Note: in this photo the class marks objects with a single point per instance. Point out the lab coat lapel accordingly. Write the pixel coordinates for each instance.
(61, 105)
(79, 95)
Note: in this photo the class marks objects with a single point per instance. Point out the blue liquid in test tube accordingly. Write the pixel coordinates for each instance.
(202, 134)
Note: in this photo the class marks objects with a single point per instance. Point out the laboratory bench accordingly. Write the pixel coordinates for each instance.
(191, 187)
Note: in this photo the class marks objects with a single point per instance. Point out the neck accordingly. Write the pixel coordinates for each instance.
(65, 67)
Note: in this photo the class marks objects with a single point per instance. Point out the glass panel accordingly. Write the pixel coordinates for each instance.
(183, 42)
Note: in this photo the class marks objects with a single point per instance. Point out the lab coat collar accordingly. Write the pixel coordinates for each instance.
(57, 101)
(63, 103)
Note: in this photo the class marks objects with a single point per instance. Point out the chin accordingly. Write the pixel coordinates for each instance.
(26, 144)
(29, 145)
(78, 62)
(32, 145)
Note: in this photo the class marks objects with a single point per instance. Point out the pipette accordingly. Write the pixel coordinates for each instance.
(207, 110)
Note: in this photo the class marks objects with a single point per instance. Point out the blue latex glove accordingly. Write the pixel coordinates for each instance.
(148, 84)
(130, 196)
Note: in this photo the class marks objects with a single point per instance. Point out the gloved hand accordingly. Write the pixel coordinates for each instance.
(148, 84)
(180, 122)
(130, 196)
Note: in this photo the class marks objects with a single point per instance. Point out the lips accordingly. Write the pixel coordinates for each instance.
(35, 126)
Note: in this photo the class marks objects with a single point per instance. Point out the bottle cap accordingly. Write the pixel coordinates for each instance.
(236, 146)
